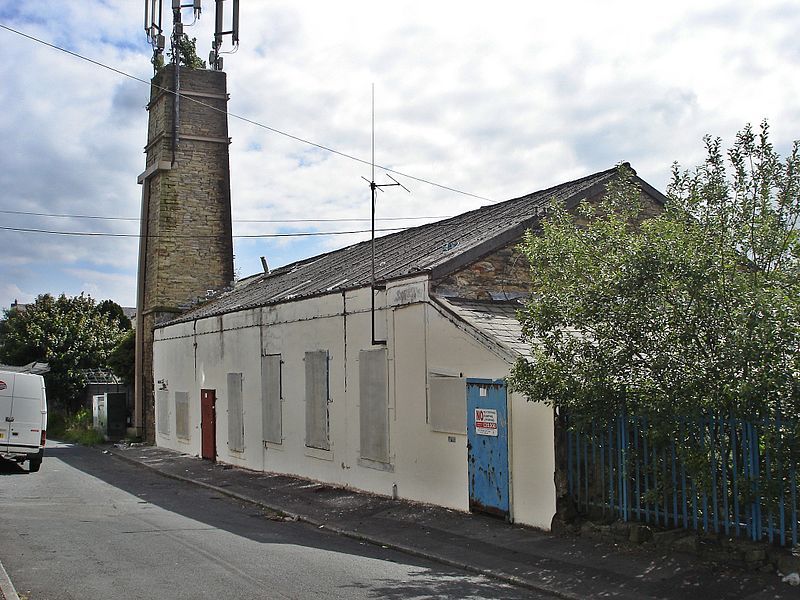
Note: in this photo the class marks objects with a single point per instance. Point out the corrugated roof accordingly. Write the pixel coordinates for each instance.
(496, 319)
(36, 368)
(100, 377)
(414, 250)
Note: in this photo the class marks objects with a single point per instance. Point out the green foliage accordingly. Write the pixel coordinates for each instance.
(70, 334)
(693, 312)
(115, 312)
(79, 429)
(122, 359)
(187, 53)
(56, 424)
(158, 62)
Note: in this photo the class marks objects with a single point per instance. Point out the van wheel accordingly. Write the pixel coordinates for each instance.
(34, 464)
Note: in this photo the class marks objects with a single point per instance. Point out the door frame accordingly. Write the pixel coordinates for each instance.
(208, 429)
(505, 512)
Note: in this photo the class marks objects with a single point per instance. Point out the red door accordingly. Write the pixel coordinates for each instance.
(208, 423)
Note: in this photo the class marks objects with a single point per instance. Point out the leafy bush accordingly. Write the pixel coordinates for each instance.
(694, 312)
(56, 425)
(689, 315)
(80, 430)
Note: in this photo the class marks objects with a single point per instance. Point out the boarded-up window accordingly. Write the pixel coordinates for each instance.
(271, 418)
(373, 405)
(162, 411)
(317, 400)
(182, 415)
(235, 413)
(447, 404)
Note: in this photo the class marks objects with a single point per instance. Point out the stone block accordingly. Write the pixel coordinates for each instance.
(788, 564)
(767, 568)
(688, 544)
(640, 534)
(620, 530)
(667, 538)
(718, 554)
(755, 557)
(588, 528)
(595, 530)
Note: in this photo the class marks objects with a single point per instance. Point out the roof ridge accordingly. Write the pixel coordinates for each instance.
(280, 270)
(398, 254)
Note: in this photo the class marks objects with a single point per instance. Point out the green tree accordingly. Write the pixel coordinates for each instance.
(694, 311)
(115, 312)
(122, 359)
(69, 333)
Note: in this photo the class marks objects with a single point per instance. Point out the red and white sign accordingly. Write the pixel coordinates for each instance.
(486, 421)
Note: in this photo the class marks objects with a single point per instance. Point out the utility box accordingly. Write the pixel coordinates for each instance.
(116, 415)
(99, 413)
(109, 415)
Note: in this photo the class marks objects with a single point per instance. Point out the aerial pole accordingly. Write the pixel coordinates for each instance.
(373, 188)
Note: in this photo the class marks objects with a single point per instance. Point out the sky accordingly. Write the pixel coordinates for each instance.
(493, 99)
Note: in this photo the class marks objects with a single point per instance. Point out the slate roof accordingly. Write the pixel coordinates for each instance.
(495, 319)
(438, 248)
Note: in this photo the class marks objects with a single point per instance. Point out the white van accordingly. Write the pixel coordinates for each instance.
(23, 418)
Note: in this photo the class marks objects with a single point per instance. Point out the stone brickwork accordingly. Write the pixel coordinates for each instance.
(505, 273)
(708, 546)
(186, 245)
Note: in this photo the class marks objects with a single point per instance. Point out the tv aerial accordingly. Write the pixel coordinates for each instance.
(373, 188)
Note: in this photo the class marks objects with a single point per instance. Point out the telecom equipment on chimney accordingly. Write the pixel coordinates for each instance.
(155, 33)
(214, 58)
(152, 27)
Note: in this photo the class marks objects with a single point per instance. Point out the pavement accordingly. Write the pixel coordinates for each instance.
(7, 591)
(566, 566)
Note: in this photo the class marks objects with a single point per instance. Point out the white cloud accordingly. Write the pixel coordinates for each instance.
(498, 100)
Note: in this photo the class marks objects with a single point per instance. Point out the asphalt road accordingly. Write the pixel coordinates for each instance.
(90, 526)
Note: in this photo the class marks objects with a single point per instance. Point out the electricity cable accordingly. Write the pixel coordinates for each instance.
(171, 236)
(103, 218)
(243, 118)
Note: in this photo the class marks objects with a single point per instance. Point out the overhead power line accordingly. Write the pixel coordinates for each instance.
(136, 219)
(171, 236)
(243, 118)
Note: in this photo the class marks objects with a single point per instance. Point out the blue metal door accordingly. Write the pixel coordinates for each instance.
(487, 446)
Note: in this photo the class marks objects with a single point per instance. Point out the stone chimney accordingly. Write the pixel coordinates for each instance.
(186, 244)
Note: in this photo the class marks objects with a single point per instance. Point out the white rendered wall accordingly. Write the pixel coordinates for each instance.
(453, 349)
(424, 466)
(173, 368)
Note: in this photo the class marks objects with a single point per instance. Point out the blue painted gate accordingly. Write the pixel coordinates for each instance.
(487, 446)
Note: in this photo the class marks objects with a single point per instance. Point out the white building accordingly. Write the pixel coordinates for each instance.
(285, 374)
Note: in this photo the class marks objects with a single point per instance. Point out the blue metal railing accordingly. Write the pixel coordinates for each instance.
(719, 475)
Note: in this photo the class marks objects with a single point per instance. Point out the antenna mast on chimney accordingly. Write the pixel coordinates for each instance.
(214, 58)
(155, 34)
